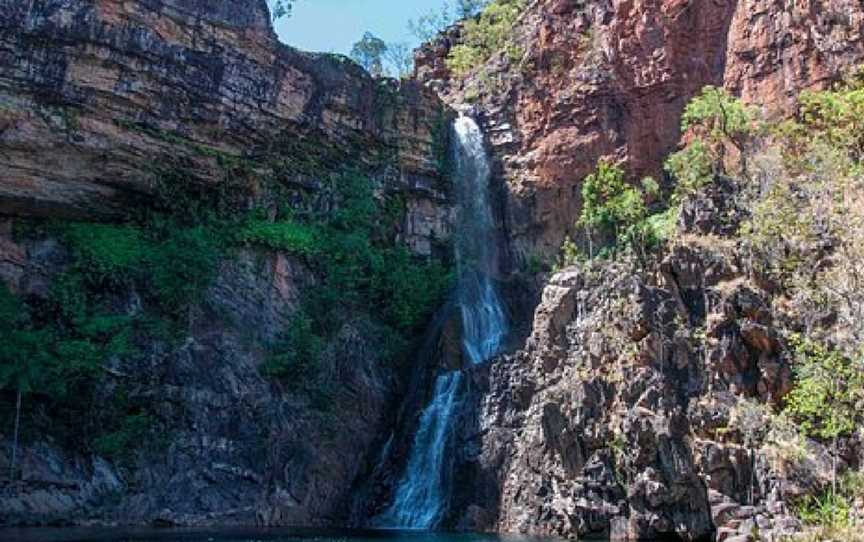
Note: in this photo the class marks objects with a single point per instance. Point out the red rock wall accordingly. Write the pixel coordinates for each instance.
(610, 78)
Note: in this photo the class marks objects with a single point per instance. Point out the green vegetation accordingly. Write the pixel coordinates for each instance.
(829, 389)
(806, 226)
(485, 35)
(718, 118)
(836, 117)
(174, 263)
(614, 209)
(297, 354)
(715, 123)
(280, 8)
(285, 235)
(427, 27)
(58, 350)
(361, 269)
(369, 52)
(831, 514)
(692, 168)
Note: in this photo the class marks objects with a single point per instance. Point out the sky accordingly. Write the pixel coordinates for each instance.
(335, 25)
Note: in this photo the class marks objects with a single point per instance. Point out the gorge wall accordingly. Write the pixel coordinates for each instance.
(609, 419)
(105, 104)
(610, 78)
(618, 415)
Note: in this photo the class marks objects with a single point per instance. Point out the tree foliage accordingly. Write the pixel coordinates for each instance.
(718, 118)
(280, 8)
(611, 205)
(485, 35)
(399, 57)
(806, 225)
(427, 27)
(713, 121)
(369, 52)
(829, 391)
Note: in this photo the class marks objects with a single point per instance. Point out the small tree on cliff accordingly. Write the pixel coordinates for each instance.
(715, 121)
(400, 57)
(611, 205)
(828, 395)
(280, 8)
(369, 53)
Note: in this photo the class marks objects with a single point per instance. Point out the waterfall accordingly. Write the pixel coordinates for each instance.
(484, 325)
(421, 496)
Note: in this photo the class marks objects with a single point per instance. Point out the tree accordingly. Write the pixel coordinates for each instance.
(400, 57)
(828, 395)
(469, 8)
(714, 121)
(369, 53)
(280, 8)
(426, 27)
(718, 119)
(24, 361)
(610, 204)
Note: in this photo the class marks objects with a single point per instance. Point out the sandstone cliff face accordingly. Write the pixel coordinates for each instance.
(610, 78)
(96, 96)
(99, 100)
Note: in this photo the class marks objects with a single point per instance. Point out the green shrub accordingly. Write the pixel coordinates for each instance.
(406, 288)
(836, 117)
(829, 510)
(121, 443)
(182, 266)
(716, 117)
(296, 356)
(106, 251)
(826, 397)
(692, 167)
(714, 121)
(288, 236)
(486, 35)
(26, 361)
(828, 390)
(569, 255)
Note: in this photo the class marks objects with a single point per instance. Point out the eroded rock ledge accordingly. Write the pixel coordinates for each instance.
(96, 96)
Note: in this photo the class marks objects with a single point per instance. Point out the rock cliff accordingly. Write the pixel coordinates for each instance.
(96, 97)
(101, 101)
(610, 78)
(613, 416)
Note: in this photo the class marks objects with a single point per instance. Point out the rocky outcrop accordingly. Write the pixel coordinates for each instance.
(617, 418)
(610, 78)
(99, 98)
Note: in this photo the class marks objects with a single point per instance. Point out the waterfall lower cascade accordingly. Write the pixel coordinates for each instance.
(421, 496)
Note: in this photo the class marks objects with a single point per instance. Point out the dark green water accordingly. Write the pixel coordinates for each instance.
(246, 535)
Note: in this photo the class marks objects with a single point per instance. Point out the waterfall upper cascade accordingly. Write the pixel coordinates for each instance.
(421, 497)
